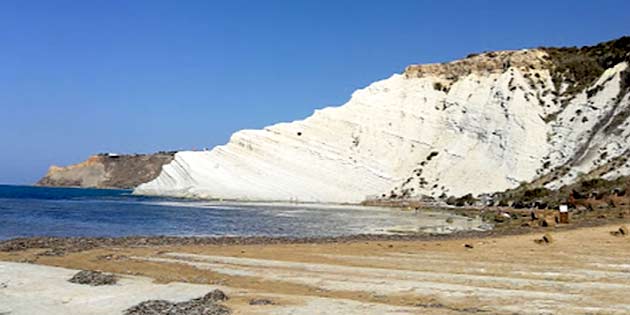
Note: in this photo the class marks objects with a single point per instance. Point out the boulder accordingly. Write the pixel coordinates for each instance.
(93, 278)
(206, 305)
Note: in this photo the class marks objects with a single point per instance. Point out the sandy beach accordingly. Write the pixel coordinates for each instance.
(581, 271)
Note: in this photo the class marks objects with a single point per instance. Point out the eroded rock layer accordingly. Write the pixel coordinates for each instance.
(482, 124)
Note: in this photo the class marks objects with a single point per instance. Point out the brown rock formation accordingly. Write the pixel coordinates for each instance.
(108, 171)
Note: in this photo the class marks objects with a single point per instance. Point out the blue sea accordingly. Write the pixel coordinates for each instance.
(39, 211)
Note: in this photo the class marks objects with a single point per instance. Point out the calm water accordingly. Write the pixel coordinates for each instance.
(36, 211)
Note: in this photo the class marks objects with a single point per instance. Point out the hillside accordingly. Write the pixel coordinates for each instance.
(478, 125)
(108, 171)
(486, 123)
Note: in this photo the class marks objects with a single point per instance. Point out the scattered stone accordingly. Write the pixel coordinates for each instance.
(502, 217)
(546, 239)
(3, 285)
(449, 220)
(112, 257)
(216, 296)
(68, 245)
(469, 246)
(58, 252)
(93, 278)
(548, 221)
(622, 231)
(261, 302)
(205, 305)
(151, 307)
(430, 305)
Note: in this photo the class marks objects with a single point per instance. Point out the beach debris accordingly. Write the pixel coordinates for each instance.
(451, 308)
(58, 252)
(502, 217)
(546, 239)
(216, 296)
(622, 231)
(548, 221)
(112, 257)
(27, 260)
(261, 302)
(93, 278)
(430, 305)
(206, 305)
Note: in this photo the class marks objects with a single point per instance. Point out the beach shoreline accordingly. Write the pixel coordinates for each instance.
(499, 273)
(525, 257)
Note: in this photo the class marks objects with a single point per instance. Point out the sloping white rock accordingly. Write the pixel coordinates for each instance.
(432, 134)
(583, 136)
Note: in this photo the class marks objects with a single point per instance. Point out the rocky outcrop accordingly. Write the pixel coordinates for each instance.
(482, 124)
(108, 171)
(93, 278)
(206, 305)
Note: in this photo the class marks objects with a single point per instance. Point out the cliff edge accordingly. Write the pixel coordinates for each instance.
(478, 125)
(108, 171)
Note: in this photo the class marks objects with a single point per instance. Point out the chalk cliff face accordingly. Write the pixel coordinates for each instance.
(108, 171)
(478, 125)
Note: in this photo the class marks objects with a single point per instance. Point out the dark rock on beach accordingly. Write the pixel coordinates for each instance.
(261, 302)
(93, 278)
(216, 296)
(206, 305)
(59, 246)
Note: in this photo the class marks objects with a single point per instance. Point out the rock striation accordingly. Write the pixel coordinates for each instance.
(108, 171)
(478, 125)
(482, 124)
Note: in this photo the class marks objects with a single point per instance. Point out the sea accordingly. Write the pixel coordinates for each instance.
(27, 211)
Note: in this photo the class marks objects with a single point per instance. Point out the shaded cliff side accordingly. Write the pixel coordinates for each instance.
(108, 171)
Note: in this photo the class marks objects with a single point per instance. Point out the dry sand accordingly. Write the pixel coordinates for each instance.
(583, 271)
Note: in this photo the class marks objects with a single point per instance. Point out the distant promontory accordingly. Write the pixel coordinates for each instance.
(108, 170)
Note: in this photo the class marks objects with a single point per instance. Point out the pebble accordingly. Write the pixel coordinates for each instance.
(261, 302)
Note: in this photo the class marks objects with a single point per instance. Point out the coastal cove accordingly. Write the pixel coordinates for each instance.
(71, 212)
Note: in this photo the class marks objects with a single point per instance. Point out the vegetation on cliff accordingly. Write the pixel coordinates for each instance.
(580, 67)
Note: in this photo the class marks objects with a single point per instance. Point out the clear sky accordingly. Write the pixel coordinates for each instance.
(81, 77)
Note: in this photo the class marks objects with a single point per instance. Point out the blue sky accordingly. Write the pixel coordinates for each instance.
(81, 77)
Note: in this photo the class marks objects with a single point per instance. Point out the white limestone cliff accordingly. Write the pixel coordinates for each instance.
(478, 125)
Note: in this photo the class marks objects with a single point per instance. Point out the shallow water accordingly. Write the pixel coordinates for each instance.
(38, 211)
